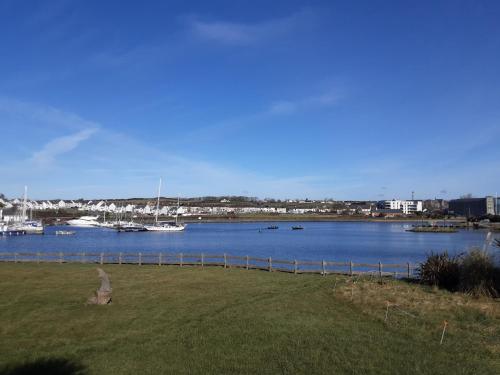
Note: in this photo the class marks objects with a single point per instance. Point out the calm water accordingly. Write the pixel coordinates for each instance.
(334, 241)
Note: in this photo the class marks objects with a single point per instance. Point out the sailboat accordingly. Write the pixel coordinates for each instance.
(28, 226)
(165, 226)
(104, 223)
(128, 226)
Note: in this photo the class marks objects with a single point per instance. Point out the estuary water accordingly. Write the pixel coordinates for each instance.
(331, 241)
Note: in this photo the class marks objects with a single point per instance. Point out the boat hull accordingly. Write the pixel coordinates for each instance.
(81, 225)
(160, 228)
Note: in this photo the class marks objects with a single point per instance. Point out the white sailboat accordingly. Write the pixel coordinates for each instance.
(164, 226)
(104, 223)
(28, 226)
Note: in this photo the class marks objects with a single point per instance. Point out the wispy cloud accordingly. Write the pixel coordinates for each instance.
(313, 102)
(235, 33)
(46, 114)
(60, 145)
(53, 121)
(101, 173)
(276, 108)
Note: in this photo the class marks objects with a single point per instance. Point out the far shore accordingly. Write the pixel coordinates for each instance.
(275, 218)
(299, 218)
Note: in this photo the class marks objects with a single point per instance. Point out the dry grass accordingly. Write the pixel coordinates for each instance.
(416, 307)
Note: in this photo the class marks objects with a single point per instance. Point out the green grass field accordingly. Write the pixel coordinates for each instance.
(170, 320)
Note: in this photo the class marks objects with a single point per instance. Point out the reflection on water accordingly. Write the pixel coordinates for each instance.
(334, 241)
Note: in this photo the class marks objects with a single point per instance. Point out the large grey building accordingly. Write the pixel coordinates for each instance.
(473, 206)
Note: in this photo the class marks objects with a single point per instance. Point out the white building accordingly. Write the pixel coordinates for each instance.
(407, 207)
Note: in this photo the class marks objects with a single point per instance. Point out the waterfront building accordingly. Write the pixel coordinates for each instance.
(406, 206)
(435, 204)
(473, 207)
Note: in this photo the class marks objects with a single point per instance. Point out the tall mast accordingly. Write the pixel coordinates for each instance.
(24, 202)
(158, 202)
(177, 212)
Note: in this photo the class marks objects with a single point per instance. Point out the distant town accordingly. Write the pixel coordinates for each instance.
(240, 206)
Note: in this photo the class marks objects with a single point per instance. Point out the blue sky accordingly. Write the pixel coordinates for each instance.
(287, 99)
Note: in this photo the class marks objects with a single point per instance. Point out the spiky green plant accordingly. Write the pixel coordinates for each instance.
(441, 269)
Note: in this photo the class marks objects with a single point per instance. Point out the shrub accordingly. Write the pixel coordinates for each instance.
(474, 272)
(478, 274)
(441, 270)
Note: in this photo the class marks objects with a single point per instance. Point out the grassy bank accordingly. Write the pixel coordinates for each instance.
(192, 320)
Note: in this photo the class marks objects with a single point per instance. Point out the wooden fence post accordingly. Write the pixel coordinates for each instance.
(295, 266)
(350, 268)
(140, 259)
(102, 258)
(323, 266)
(120, 258)
(180, 259)
(248, 263)
(225, 260)
(83, 257)
(202, 260)
(380, 270)
(60, 257)
(408, 266)
(38, 257)
(159, 259)
(270, 265)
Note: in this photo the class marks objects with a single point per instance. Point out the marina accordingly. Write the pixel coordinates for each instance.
(20, 224)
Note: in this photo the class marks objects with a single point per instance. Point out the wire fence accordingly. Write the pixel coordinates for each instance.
(218, 260)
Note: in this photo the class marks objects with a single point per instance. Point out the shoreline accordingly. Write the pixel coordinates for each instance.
(59, 220)
(309, 218)
(52, 222)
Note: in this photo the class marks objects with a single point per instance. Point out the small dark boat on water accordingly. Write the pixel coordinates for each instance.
(272, 227)
(297, 227)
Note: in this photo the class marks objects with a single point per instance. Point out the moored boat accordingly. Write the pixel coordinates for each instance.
(8, 231)
(297, 227)
(29, 227)
(64, 232)
(165, 226)
(84, 221)
(130, 227)
(23, 225)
